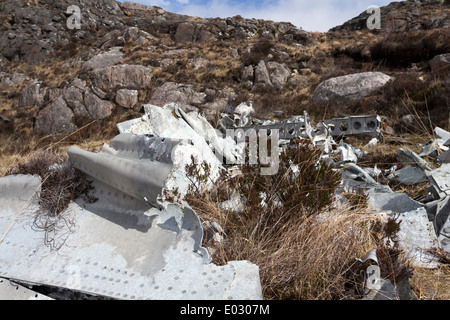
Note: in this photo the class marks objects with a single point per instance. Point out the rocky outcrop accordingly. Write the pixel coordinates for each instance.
(270, 73)
(57, 117)
(77, 100)
(32, 95)
(440, 61)
(104, 59)
(96, 107)
(181, 94)
(279, 74)
(185, 29)
(127, 53)
(262, 74)
(248, 74)
(33, 31)
(74, 98)
(117, 38)
(341, 91)
(11, 79)
(185, 32)
(409, 15)
(127, 98)
(124, 76)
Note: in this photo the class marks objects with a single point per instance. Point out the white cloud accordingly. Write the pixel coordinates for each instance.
(213, 9)
(158, 3)
(318, 15)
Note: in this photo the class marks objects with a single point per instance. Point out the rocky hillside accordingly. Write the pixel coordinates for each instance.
(55, 79)
(401, 16)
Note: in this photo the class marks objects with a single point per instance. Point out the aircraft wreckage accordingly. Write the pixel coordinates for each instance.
(140, 240)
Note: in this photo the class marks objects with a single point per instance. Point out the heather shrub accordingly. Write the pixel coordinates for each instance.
(61, 182)
(258, 52)
(402, 49)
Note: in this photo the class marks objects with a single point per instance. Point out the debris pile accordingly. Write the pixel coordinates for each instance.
(141, 240)
(424, 233)
(424, 222)
(138, 240)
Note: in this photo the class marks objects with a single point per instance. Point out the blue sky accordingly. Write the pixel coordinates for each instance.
(316, 15)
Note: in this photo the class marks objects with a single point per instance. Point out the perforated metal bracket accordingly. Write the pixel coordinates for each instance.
(355, 125)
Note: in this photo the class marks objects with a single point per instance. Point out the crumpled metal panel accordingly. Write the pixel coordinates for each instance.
(417, 237)
(20, 193)
(442, 136)
(299, 126)
(440, 179)
(377, 288)
(120, 248)
(393, 201)
(409, 156)
(444, 157)
(444, 237)
(294, 127)
(135, 165)
(198, 139)
(354, 178)
(168, 122)
(287, 130)
(410, 175)
(442, 223)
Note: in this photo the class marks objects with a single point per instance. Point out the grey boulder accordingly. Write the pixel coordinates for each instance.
(56, 117)
(124, 76)
(440, 61)
(350, 88)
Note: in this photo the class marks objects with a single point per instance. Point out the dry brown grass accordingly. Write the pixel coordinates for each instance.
(306, 248)
(309, 258)
(432, 284)
(306, 252)
(17, 147)
(402, 49)
(314, 258)
(140, 54)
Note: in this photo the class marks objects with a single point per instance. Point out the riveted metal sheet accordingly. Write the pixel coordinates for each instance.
(440, 178)
(442, 222)
(417, 238)
(122, 249)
